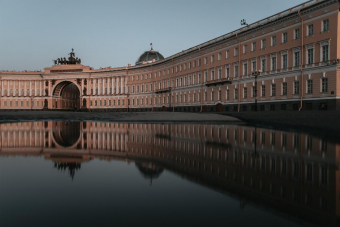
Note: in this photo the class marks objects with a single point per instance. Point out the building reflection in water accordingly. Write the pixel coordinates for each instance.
(294, 173)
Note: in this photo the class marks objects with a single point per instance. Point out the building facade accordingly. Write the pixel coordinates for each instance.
(296, 53)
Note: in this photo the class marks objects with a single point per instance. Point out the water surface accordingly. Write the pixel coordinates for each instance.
(120, 174)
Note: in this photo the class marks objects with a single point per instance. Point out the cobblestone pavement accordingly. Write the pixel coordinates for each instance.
(116, 116)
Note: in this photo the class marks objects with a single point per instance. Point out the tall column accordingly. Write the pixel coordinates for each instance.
(35, 88)
(121, 84)
(49, 88)
(111, 85)
(103, 86)
(96, 86)
(117, 85)
(2, 88)
(7, 87)
(19, 88)
(40, 88)
(107, 87)
(126, 87)
(82, 87)
(30, 91)
(25, 90)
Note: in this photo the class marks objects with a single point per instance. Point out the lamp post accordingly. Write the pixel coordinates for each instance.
(255, 74)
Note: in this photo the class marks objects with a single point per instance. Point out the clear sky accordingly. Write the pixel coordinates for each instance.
(116, 32)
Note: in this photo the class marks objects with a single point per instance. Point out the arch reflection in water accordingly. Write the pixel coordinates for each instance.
(66, 134)
(295, 173)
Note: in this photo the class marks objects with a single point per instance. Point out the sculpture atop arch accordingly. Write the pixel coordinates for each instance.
(72, 60)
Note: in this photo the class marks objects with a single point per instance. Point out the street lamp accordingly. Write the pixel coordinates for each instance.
(255, 74)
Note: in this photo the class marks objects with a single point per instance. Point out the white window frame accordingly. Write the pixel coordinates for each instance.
(227, 71)
(283, 37)
(238, 70)
(253, 61)
(253, 46)
(263, 44)
(323, 25)
(245, 68)
(227, 54)
(307, 48)
(322, 44)
(285, 52)
(271, 62)
(272, 40)
(295, 50)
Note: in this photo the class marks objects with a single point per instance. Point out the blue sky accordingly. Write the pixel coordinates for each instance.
(115, 32)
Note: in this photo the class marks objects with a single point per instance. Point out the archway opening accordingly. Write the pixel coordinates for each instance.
(66, 96)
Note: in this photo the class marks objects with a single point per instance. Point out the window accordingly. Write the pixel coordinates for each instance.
(205, 60)
(297, 59)
(245, 69)
(325, 52)
(212, 58)
(254, 46)
(309, 172)
(263, 44)
(324, 85)
(273, 63)
(212, 74)
(324, 175)
(325, 25)
(245, 47)
(245, 90)
(219, 73)
(227, 94)
(263, 64)
(254, 66)
(310, 56)
(309, 86)
(273, 89)
(219, 95)
(284, 88)
(219, 56)
(273, 40)
(263, 90)
(284, 61)
(310, 30)
(236, 71)
(236, 93)
(199, 62)
(228, 54)
(236, 52)
(296, 87)
(297, 33)
(284, 37)
(227, 71)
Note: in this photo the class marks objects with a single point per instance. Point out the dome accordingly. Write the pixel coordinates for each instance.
(149, 56)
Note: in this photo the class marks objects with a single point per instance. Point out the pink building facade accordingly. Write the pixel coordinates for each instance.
(296, 53)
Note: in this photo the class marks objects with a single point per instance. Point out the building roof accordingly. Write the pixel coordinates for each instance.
(149, 56)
